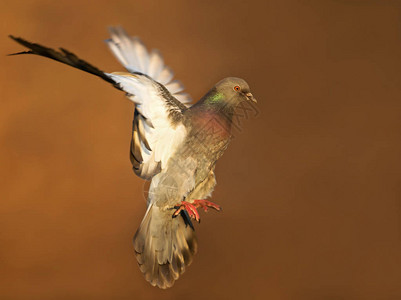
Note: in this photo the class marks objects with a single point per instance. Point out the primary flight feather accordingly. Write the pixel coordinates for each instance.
(174, 144)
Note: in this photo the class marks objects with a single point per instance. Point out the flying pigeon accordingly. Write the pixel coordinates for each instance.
(174, 144)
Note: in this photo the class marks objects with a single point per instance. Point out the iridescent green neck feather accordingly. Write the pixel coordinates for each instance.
(215, 102)
(215, 97)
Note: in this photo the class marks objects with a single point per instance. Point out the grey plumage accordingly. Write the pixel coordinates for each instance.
(164, 246)
(173, 144)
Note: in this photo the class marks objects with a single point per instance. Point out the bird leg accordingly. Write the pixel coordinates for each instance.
(191, 208)
(205, 204)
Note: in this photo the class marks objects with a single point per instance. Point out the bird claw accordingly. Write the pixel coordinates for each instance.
(205, 204)
(191, 208)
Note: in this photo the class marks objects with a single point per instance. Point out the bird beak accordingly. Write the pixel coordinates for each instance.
(250, 97)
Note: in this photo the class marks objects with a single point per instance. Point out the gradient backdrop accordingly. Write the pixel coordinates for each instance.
(311, 186)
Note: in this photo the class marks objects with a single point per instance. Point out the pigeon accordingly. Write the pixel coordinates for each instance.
(174, 145)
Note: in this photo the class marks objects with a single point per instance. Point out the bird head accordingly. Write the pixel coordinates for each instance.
(235, 90)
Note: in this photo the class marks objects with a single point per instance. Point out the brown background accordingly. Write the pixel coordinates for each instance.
(310, 187)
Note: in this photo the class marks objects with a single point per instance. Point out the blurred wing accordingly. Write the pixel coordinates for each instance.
(133, 55)
(157, 127)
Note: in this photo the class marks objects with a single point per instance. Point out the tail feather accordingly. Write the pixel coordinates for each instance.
(164, 246)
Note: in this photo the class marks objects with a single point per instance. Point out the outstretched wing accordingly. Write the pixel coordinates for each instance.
(157, 127)
(133, 55)
(153, 138)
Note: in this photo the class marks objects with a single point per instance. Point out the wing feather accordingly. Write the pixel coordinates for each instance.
(157, 127)
(133, 55)
(156, 63)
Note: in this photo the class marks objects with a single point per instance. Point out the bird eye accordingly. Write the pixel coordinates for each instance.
(237, 88)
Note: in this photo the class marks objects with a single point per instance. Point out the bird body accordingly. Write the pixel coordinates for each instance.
(174, 145)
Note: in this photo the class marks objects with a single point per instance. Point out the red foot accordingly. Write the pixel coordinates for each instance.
(191, 208)
(205, 204)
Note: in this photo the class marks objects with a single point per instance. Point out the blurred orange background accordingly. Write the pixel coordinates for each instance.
(311, 186)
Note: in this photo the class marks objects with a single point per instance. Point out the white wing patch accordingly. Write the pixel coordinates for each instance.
(156, 135)
(133, 55)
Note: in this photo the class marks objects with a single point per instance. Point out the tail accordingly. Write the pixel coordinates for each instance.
(164, 246)
(64, 56)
